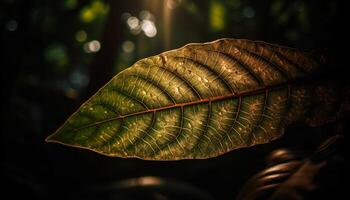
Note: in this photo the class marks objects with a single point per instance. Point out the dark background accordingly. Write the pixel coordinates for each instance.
(48, 70)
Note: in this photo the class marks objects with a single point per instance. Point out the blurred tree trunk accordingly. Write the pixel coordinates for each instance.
(101, 69)
(102, 65)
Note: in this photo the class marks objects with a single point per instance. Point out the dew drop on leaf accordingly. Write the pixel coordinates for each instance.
(189, 125)
(177, 90)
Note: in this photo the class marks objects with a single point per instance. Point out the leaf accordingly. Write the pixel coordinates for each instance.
(290, 175)
(199, 101)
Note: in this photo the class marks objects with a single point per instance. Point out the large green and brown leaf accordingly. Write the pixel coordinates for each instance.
(199, 101)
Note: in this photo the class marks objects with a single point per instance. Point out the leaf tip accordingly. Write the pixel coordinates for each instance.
(50, 138)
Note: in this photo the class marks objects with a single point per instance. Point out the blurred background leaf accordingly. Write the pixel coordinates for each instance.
(56, 53)
(297, 176)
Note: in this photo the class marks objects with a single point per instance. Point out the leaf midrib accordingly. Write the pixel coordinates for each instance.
(206, 100)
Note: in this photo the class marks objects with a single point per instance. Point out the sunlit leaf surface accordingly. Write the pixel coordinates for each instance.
(199, 101)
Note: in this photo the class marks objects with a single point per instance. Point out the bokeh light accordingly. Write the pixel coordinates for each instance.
(133, 22)
(149, 28)
(92, 46)
(128, 46)
(145, 23)
(71, 93)
(93, 11)
(78, 79)
(12, 25)
(87, 15)
(81, 36)
(56, 55)
(217, 16)
(248, 12)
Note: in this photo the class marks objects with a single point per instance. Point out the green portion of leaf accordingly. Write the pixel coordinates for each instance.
(199, 101)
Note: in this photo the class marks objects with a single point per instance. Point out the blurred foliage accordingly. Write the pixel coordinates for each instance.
(46, 70)
(217, 16)
(63, 28)
(93, 11)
